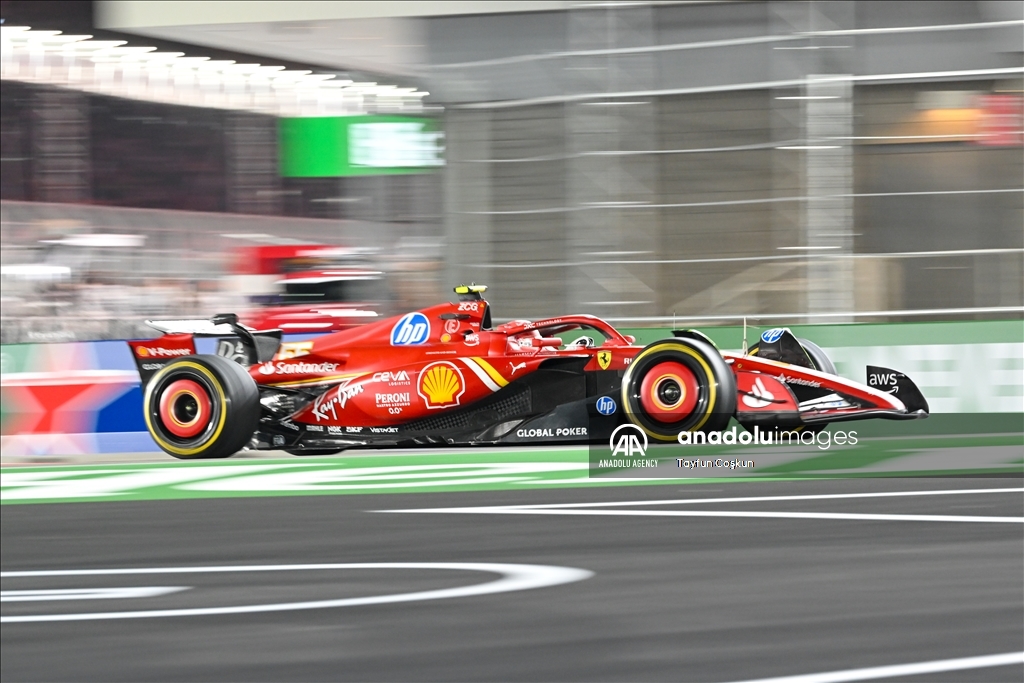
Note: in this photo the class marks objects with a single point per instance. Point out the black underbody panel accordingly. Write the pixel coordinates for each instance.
(554, 404)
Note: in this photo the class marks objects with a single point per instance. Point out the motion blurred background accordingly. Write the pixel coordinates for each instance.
(647, 162)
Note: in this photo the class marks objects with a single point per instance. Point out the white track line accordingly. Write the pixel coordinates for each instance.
(755, 499)
(499, 510)
(514, 577)
(899, 670)
(58, 594)
(577, 508)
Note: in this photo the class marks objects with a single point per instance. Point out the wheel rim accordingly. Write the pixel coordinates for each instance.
(185, 408)
(669, 392)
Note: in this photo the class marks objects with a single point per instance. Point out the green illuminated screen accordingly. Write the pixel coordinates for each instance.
(332, 146)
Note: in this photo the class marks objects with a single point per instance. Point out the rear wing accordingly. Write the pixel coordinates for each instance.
(238, 342)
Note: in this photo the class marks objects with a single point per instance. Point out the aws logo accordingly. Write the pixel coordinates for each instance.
(885, 381)
(410, 330)
(441, 385)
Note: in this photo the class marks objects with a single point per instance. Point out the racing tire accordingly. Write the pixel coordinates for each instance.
(821, 361)
(201, 407)
(677, 385)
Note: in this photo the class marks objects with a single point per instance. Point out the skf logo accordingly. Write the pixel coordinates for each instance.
(629, 441)
(604, 359)
(441, 385)
(410, 330)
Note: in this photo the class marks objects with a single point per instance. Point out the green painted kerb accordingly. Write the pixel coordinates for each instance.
(495, 469)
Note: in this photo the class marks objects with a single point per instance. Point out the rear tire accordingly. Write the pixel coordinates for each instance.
(202, 407)
(678, 385)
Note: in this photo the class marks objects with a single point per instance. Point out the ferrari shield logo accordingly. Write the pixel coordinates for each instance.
(604, 359)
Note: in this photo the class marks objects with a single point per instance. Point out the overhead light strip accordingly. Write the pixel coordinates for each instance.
(111, 67)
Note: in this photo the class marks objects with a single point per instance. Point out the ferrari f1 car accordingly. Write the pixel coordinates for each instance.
(446, 375)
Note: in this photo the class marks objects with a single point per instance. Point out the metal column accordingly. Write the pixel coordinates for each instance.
(611, 175)
(60, 146)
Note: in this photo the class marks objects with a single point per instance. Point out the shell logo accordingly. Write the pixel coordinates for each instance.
(142, 352)
(441, 385)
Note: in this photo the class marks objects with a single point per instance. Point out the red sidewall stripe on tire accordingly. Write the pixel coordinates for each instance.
(655, 408)
(180, 390)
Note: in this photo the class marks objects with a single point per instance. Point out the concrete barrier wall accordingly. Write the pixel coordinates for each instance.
(84, 397)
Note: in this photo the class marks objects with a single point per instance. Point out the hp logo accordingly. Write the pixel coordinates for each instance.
(412, 329)
(606, 405)
(772, 336)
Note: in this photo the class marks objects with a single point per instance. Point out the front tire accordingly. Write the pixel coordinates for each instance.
(822, 363)
(678, 385)
(201, 407)
(819, 358)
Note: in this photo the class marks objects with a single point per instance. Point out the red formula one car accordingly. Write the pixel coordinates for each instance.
(445, 375)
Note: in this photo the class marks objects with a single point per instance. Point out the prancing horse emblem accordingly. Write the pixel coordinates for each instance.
(604, 359)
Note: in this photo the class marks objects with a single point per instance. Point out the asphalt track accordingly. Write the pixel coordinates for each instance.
(796, 578)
